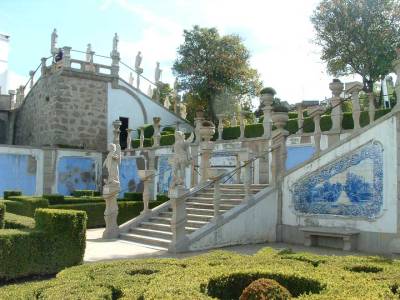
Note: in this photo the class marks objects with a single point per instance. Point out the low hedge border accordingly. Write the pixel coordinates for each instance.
(95, 211)
(217, 275)
(133, 196)
(58, 241)
(85, 193)
(26, 205)
(7, 194)
(13, 221)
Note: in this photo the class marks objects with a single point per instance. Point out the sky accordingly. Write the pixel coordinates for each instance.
(278, 34)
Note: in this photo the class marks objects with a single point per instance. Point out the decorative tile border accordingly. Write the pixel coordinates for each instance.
(316, 193)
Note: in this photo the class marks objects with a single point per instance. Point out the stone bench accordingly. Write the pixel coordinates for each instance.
(348, 235)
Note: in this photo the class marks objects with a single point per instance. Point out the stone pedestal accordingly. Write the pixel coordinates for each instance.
(300, 118)
(66, 57)
(116, 131)
(337, 115)
(245, 157)
(129, 139)
(315, 113)
(43, 66)
(242, 125)
(220, 125)
(206, 149)
(354, 89)
(279, 151)
(110, 195)
(141, 137)
(267, 100)
(157, 133)
(371, 107)
(147, 178)
(178, 221)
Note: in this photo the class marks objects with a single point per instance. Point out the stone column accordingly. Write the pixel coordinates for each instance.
(31, 74)
(43, 67)
(178, 220)
(207, 131)
(115, 58)
(217, 200)
(141, 137)
(197, 122)
(315, 113)
(67, 57)
(245, 157)
(371, 106)
(157, 133)
(242, 125)
(266, 100)
(220, 125)
(152, 166)
(300, 118)
(233, 120)
(354, 89)
(116, 124)
(396, 68)
(279, 151)
(129, 138)
(147, 178)
(336, 86)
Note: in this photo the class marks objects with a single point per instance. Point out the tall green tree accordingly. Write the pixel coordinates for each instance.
(214, 69)
(358, 37)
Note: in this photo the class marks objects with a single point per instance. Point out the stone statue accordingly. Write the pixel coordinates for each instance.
(157, 73)
(138, 61)
(54, 37)
(111, 190)
(181, 158)
(89, 56)
(182, 110)
(167, 102)
(131, 78)
(115, 43)
(150, 92)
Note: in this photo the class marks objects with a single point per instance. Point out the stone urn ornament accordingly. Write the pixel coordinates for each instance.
(280, 115)
(207, 130)
(267, 96)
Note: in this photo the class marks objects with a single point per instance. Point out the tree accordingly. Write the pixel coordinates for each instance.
(358, 37)
(210, 66)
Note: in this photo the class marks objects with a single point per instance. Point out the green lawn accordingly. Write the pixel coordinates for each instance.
(220, 275)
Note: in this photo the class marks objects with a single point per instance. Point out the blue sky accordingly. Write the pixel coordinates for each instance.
(277, 33)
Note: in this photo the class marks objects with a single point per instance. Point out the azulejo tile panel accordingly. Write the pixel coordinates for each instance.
(350, 186)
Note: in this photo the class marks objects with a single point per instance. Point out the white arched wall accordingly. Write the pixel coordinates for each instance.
(139, 108)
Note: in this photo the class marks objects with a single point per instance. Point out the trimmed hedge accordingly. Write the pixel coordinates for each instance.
(148, 131)
(85, 193)
(218, 275)
(167, 139)
(133, 196)
(2, 213)
(13, 221)
(7, 194)
(162, 198)
(54, 198)
(26, 205)
(95, 211)
(58, 241)
(148, 142)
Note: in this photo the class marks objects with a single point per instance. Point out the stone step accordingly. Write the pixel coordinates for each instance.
(240, 186)
(224, 196)
(146, 240)
(208, 205)
(165, 217)
(203, 211)
(191, 224)
(211, 200)
(147, 232)
(229, 191)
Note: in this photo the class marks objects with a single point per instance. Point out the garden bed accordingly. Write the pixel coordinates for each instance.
(220, 275)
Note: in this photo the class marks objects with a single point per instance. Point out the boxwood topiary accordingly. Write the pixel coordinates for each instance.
(264, 288)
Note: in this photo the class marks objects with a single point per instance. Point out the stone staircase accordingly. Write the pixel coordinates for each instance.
(156, 231)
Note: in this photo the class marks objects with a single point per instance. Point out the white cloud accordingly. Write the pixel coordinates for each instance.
(277, 33)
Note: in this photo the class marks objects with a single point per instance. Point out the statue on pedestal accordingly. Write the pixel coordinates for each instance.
(111, 190)
(138, 61)
(54, 37)
(157, 73)
(115, 43)
(181, 158)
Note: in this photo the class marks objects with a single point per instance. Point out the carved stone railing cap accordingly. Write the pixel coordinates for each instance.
(354, 86)
(315, 111)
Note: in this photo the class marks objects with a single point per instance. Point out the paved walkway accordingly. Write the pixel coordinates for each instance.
(98, 249)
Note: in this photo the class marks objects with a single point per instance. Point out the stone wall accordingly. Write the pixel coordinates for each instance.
(64, 108)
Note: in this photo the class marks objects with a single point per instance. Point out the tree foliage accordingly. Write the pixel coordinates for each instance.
(209, 66)
(358, 36)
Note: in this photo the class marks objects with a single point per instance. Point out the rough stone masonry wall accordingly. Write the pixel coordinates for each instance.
(74, 114)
